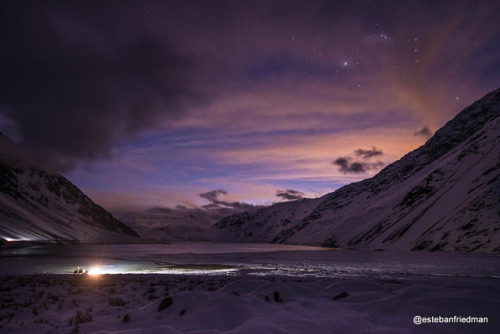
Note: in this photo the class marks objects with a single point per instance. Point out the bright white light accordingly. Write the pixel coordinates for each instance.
(14, 240)
(95, 271)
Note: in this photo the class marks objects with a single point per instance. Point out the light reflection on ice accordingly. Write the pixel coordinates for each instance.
(243, 259)
(195, 272)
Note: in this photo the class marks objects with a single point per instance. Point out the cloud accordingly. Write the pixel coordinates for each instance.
(216, 203)
(162, 216)
(79, 78)
(75, 84)
(212, 196)
(290, 194)
(424, 132)
(367, 154)
(348, 165)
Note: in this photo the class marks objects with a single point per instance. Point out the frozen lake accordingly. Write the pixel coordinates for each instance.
(243, 259)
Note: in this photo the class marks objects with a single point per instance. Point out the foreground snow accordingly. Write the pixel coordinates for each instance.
(130, 303)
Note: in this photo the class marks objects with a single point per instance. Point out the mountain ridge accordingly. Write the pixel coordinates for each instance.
(39, 206)
(404, 197)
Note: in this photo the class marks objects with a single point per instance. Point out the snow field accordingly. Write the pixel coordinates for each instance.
(228, 304)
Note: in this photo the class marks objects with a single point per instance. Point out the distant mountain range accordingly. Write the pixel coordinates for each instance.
(39, 206)
(443, 196)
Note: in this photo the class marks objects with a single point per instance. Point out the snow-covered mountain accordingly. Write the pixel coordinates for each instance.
(175, 226)
(444, 196)
(38, 206)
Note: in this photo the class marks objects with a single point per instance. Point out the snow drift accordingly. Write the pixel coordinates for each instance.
(187, 304)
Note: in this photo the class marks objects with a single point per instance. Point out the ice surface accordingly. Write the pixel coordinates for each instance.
(248, 259)
(231, 288)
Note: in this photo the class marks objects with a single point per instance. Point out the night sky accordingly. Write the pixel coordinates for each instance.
(231, 103)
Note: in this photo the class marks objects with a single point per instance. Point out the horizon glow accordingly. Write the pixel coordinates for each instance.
(150, 105)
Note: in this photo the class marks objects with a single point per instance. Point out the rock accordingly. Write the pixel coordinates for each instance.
(341, 295)
(165, 303)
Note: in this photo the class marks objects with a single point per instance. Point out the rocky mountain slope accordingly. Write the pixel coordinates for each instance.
(158, 227)
(38, 206)
(444, 196)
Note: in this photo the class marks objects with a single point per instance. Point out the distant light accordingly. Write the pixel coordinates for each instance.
(19, 238)
(95, 271)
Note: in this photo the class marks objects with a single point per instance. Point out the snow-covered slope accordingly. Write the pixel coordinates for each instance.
(35, 205)
(158, 227)
(443, 196)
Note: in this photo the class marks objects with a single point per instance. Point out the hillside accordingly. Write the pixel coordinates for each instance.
(443, 196)
(38, 206)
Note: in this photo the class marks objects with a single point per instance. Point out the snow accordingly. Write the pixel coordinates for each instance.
(225, 304)
(222, 289)
(443, 196)
(38, 206)
(269, 289)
